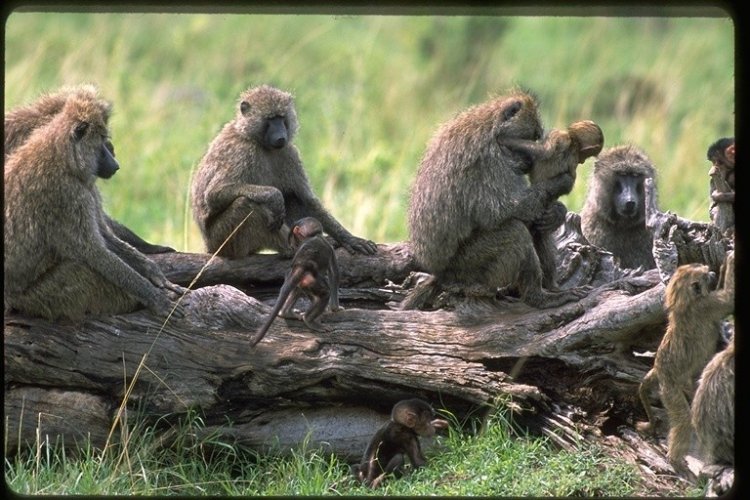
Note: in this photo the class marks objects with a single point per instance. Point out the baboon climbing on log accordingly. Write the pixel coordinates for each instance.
(694, 312)
(560, 152)
(384, 455)
(613, 216)
(471, 204)
(252, 180)
(20, 122)
(61, 258)
(314, 273)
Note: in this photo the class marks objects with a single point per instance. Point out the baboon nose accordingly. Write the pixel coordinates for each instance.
(630, 206)
(279, 142)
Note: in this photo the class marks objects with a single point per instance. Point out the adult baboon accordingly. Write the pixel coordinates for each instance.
(693, 332)
(20, 122)
(61, 258)
(613, 216)
(560, 152)
(471, 204)
(252, 180)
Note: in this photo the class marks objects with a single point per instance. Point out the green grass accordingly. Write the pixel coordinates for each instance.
(370, 91)
(499, 461)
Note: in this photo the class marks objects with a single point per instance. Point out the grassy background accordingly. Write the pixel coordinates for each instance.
(370, 91)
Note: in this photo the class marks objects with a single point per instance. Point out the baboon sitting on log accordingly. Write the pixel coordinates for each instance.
(252, 181)
(20, 122)
(471, 204)
(613, 216)
(693, 333)
(61, 258)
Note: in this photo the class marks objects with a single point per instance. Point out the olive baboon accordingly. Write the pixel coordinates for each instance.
(410, 419)
(314, 273)
(61, 258)
(712, 411)
(613, 216)
(253, 173)
(561, 151)
(693, 332)
(471, 204)
(721, 155)
(20, 122)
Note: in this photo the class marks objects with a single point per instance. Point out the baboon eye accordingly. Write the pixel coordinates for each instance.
(696, 287)
(244, 107)
(80, 131)
(512, 110)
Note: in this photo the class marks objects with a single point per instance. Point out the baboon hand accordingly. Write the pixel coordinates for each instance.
(163, 306)
(274, 217)
(552, 218)
(359, 245)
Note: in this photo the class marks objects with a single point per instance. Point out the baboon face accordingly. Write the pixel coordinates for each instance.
(689, 283)
(417, 415)
(92, 149)
(267, 115)
(629, 196)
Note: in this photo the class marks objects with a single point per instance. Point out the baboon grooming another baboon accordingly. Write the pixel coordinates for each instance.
(471, 204)
(314, 273)
(693, 332)
(613, 216)
(61, 258)
(384, 455)
(253, 173)
(20, 122)
(560, 152)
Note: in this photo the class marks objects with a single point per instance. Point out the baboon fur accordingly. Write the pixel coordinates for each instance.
(605, 222)
(712, 412)
(20, 122)
(61, 258)
(694, 313)
(471, 203)
(259, 189)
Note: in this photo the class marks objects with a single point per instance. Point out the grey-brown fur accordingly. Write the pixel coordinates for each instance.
(251, 175)
(61, 258)
(20, 122)
(471, 203)
(693, 333)
(615, 219)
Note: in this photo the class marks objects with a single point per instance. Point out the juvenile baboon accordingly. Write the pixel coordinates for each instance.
(61, 258)
(712, 411)
(253, 173)
(614, 214)
(561, 151)
(694, 312)
(471, 204)
(721, 155)
(314, 273)
(20, 122)
(410, 419)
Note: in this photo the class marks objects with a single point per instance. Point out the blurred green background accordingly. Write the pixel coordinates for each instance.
(370, 91)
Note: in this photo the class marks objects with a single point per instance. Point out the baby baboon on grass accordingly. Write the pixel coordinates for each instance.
(252, 178)
(693, 332)
(613, 216)
(20, 122)
(61, 258)
(471, 205)
(561, 152)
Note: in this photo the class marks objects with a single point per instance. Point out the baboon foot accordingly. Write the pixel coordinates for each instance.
(316, 326)
(645, 428)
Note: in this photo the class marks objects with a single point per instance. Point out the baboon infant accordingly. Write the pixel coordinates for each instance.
(314, 273)
(251, 180)
(693, 332)
(20, 122)
(61, 258)
(721, 155)
(471, 205)
(613, 216)
(561, 151)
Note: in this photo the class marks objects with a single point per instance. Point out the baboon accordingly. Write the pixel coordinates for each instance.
(314, 273)
(20, 122)
(61, 258)
(471, 204)
(253, 173)
(613, 216)
(410, 418)
(721, 155)
(694, 312)
(561, 151)
(712, 411)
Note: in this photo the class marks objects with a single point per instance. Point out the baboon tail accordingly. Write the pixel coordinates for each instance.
(290, 283)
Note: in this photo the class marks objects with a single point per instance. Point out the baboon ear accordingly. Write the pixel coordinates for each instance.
(244, 107)
(512, 110)
(79, 131)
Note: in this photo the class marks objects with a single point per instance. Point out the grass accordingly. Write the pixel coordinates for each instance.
(370, 91)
